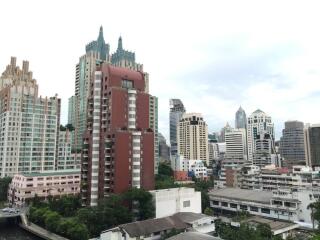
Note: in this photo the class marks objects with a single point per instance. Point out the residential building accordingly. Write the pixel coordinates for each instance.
(236, 147)
(118, 151)
(263, 149)
(241, 119)
(154, 229)
(66, 160)
(192, 236)
(176, 111)
(185, 169)
(312, 144)
(153, 122)
(193, 137)
(96, 51)
(213, 150)
(29, 123)
(282, 204)
(174, 200)
(292, 144)
(25, 186)
(258, 122)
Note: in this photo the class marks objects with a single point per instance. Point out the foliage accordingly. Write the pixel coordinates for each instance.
(173, 232)
(208, 211)
(163, 182)
(67, 206)
(244, 232)
(165, 170)
(68, 126)
(4, 185)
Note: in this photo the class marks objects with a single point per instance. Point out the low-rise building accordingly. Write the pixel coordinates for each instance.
(174, 200)
(26, 186)
(282, 204)
(185, 169)
(154, 229)
(193, 236)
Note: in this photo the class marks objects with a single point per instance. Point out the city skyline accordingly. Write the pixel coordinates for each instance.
(269, 63)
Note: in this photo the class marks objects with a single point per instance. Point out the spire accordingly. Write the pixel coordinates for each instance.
(120, 43)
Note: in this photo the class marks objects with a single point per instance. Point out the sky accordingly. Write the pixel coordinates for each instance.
(213, 55)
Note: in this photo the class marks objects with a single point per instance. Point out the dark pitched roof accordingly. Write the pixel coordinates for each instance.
(146, 227)
(189, 217)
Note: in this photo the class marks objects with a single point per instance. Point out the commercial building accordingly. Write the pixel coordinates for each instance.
(174, 200)
(118, 150)
(280, 204)
(292, 144)
(164, 149)
(258, 123)
(28, 123)
(193, 137)
(241, 119)
(24, 187)
(312, 144)
(236, 147)
(154, 229)
(176, 111)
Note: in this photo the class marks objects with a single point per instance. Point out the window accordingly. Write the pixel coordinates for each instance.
(243, 207)
(216, 203)
(186, 203)
(265, 210)
(224, 204)
(127, 84)
(254, 209)
(233, 205)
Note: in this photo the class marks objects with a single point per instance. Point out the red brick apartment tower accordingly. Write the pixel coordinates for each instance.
(118, 150)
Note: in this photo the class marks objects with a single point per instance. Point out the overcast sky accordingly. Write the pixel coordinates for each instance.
(213, 55)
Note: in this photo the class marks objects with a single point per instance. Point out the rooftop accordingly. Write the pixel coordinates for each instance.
(193, 236)
(243, 195)
(190, 217)
(55, 173)
(275, 225)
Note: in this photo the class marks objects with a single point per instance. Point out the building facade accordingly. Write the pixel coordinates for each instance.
(176, 111)
(118, 151)
(24, 187)
(312, 144)
(29, 124)
(236, 144)
(292, 144)
(258, 122)
(241, 119)
(193, 137)
(164, 149)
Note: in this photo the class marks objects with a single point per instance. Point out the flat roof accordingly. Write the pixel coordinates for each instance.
(190, 217)
(243, 195)
(275, 225)
(55, 173)
(193, 236)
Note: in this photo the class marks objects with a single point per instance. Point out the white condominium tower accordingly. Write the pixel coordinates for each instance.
(236, 146)
(28, 123)
(258, 123)
(193, 137)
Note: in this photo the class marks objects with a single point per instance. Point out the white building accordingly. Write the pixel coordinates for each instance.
(236, 147)
(66, 160)
(28, 123)
(174, 200)
(280, 204)
(257, 123)
(24, 187)
(192, 135)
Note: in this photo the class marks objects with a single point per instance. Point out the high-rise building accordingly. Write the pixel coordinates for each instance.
(223, 131)
(312, 144)
(66, 160)
(236, 147)
(164, 149)
(153, 121)
(263, 149)
(241, 118)
(176, 111)
(292, 144)
(193, 137)
(29, 124)
(118, 151)
(257, 123)
(96, 51)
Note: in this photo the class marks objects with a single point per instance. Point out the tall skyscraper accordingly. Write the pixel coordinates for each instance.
(236, 144)
(312, 144)
(258, 123)
(118, 149)
(164, 150)
(176, 111)
(292, 144)
(96, 51)
(193, 137)
(29, 123)
(241, 118)
(223, 132)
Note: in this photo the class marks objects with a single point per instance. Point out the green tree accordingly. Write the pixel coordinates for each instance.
(52, 220)
(165, 169)
(208, 211)
(4, 185)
